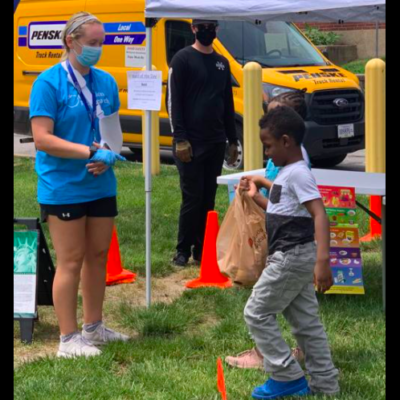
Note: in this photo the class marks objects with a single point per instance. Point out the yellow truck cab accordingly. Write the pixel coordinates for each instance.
(335, 121)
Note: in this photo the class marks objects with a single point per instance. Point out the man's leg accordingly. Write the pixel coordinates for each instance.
(213, 162)
(192, 186)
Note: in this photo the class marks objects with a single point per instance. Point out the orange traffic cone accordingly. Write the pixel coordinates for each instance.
(210, 275)
(115, 272)
(375, 226)
(221, 379)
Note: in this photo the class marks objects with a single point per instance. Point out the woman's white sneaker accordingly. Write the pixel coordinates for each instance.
(103, 335)
(78, 346)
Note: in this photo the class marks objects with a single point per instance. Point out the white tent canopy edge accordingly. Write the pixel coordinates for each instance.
(263, 10)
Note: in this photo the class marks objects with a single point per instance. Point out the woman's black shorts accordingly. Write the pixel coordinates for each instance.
(103, 208)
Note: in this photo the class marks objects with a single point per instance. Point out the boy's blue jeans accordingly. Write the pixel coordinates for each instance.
(286, 286)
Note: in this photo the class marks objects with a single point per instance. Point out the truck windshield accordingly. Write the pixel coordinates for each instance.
(272, 44)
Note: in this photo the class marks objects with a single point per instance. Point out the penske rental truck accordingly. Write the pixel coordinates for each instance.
(335, 121)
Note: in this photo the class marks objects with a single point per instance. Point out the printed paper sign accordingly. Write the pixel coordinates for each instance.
(144, 90)
(25, 264)
(135, 56)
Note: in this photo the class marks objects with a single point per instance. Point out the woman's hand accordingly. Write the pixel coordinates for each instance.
(105, 156)
(97, 168)
(103, 160)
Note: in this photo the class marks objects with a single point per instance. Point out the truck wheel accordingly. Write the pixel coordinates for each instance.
(239, 163)
(328, 162)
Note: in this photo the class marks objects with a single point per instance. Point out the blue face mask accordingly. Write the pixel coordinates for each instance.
(90, 55)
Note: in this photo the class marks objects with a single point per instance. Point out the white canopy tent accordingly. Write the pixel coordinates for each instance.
(250, 10)
(266, 10)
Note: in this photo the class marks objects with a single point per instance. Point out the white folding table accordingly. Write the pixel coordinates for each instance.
(364, 183)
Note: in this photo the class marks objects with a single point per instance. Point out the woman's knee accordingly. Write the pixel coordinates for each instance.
(72, 264)
(98, 256)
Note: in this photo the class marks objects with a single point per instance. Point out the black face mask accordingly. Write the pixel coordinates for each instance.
(206, 37)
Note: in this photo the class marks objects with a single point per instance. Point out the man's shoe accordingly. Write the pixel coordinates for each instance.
(180, 260)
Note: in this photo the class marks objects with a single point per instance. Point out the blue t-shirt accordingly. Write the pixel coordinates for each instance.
(67, 181)
(272, 171)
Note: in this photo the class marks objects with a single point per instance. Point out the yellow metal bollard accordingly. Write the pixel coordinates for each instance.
(155, 139)
(375, 116)
(155, 142)
(253, 148)
(375, 134)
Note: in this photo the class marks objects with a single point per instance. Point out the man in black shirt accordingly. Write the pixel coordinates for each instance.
(202, 115)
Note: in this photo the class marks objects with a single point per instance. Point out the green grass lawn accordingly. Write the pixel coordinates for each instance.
(131, 220)
(358, 67)
(175, 347)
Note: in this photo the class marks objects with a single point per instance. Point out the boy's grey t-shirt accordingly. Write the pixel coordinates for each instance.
(288, 222)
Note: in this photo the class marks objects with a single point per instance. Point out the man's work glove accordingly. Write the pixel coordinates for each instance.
(184, 151)
(233, 153)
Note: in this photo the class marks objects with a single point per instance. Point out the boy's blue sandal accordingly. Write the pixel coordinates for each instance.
(276, 390)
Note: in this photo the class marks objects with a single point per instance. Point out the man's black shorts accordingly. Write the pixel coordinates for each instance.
(103, 208)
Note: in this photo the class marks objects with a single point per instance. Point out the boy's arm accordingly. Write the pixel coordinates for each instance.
(323, 272)
(250, 187)
(258, 198)
(261, 182)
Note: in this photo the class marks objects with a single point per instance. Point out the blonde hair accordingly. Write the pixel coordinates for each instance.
(79, 20)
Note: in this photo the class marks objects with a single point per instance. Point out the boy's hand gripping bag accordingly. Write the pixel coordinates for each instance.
(242, 245)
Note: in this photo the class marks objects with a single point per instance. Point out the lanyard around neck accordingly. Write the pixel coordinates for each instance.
(91, 110)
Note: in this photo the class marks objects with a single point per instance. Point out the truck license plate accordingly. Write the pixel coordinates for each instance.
(346, 131)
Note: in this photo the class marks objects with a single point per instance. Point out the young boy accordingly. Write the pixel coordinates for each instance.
(295, 217)
(295, 100)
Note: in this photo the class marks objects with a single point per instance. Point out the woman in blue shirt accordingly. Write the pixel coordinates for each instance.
(76, 184)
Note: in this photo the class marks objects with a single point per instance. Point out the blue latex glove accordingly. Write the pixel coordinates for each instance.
(107, 157)
(271, 172)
